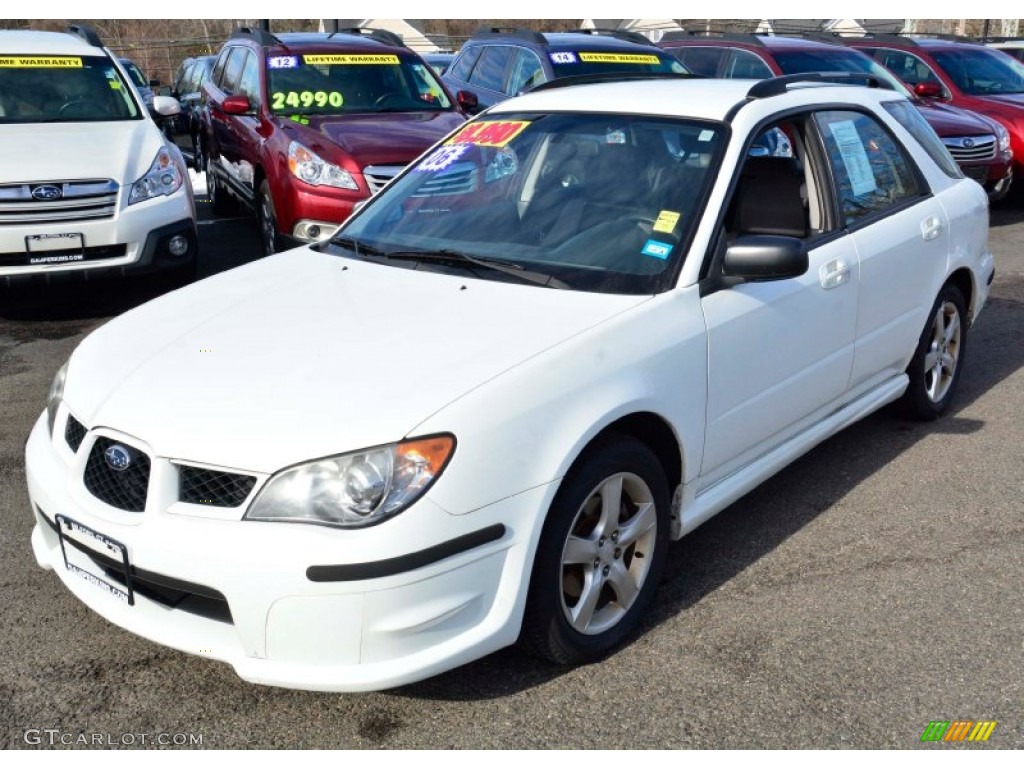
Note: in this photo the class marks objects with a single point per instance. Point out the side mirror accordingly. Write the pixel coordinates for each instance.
(154, 83)
(165, 106)
(928, 90)
(765, 257)
(236, 105)
(468, 101)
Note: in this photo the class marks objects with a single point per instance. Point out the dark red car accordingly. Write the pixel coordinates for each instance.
(963, 74)
(976, 142)
(301, 127)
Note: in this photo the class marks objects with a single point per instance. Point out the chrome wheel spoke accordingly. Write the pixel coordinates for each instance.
(947, 363)
(611, 504)
(952, 329)
(623, 584)
(931, 360)
(583, 611)
(579, 551)
(643, 521)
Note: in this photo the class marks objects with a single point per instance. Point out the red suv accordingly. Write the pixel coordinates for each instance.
(979, 145)
(966, 75)
(301, 127)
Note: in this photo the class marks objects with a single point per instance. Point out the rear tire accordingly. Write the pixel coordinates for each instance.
(935, 368)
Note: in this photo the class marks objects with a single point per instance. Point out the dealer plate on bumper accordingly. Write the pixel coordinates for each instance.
(55, 249)
(77, 541)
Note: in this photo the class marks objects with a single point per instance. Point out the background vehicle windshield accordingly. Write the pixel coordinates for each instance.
(58, 89)
(335, 83)
(135, 73)
(799, 62)
(981, 71)
(572, 63)
(602, 203)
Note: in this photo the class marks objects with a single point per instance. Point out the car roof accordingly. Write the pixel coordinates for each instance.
(699, 98)
(32, 41)
(574, 41)
(291, 40)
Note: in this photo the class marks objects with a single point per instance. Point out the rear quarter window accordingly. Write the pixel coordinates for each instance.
(907, 116)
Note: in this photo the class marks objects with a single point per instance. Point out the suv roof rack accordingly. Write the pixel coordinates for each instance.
(776, 86)
(620, 34)
(261, 36)
(692, 34)
(87, 33)
(519, 32)
(380, 35)
(611, 77)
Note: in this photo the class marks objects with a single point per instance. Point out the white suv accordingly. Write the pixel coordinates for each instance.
(573, 331)
(88, 182)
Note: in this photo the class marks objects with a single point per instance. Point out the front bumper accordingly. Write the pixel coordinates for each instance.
(423, 602)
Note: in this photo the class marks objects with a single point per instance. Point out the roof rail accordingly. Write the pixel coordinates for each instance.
(819, 36)
(384, 36)
(693, 34)
(776, 86)
(87, 33)
(610, 77)
(261, 36)
(621, 34)
(887, 37)
(519, 32)
(1011, 39)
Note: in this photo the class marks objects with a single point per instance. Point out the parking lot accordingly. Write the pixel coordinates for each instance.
(870, 588)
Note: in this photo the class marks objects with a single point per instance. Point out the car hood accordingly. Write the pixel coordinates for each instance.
(1015, 100)
(304, 355)
(392, 138)
(948, 120)
(121, 150)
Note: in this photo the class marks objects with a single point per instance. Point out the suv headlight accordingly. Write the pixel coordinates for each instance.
(1003, 135)
(164, 177)
(55, 395)
(308, 166)
(354, 490)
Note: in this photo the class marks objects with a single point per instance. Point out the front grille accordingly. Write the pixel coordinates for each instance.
(74, 433)
(124, 489)
(96, 253)
(967, 149)
(379, 175)
(78, 201)
(460, 179)
(212, 487)
(977, 172)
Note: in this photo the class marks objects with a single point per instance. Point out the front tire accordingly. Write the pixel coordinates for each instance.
(267, 220)
(600, 555)
(935, 368)
(220, 201)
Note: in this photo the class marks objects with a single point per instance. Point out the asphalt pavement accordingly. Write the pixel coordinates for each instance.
(870, 588)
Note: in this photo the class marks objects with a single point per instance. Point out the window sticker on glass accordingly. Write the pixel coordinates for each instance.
(442, 157)
(350, 58)
(562, 57)
(855, 158)
(620, 58)
(282, 62)
(296, 99)
(657, 249)
(615, 136)
(706, 135)
(41, 62)
(496, 133)
(666, 221)
(504, 163)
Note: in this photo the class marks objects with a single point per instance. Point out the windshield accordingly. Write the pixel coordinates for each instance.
(63, 89)
(573, 63)
(979, 71)
(799, 62)
(336, 83)
(602, 203)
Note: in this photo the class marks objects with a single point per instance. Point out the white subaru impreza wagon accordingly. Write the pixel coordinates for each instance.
(567, 335)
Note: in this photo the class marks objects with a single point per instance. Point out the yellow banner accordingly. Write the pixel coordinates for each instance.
(41, 62)
(350, 58)
(620, 58)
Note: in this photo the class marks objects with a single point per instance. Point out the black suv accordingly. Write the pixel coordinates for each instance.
(496, 64)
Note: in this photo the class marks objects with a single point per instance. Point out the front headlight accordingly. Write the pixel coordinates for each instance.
(354, 490)
(307, 165)
(164, 177)
(55, 395)
(1003, 135)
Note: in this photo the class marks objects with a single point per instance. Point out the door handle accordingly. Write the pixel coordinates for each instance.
(931, 228)
(834, 273)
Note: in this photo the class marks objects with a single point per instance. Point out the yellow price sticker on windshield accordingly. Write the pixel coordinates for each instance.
(620, 58)
(296, 99)
(350, 58)
(41, 62)
(667, 221)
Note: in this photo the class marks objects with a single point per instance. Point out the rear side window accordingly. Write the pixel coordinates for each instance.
(464, 64)
(907, 67)
(701, 60)
(911, 119)
(872, 172)
(490, 72)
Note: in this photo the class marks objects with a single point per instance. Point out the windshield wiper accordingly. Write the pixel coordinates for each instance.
(358, 247)
(458, 258)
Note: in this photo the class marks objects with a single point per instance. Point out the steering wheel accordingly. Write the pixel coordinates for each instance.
(386, 98)
(78, 101)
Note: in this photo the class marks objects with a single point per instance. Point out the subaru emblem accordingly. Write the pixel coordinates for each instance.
(968, 143)
(47, 192)
(118, 458)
